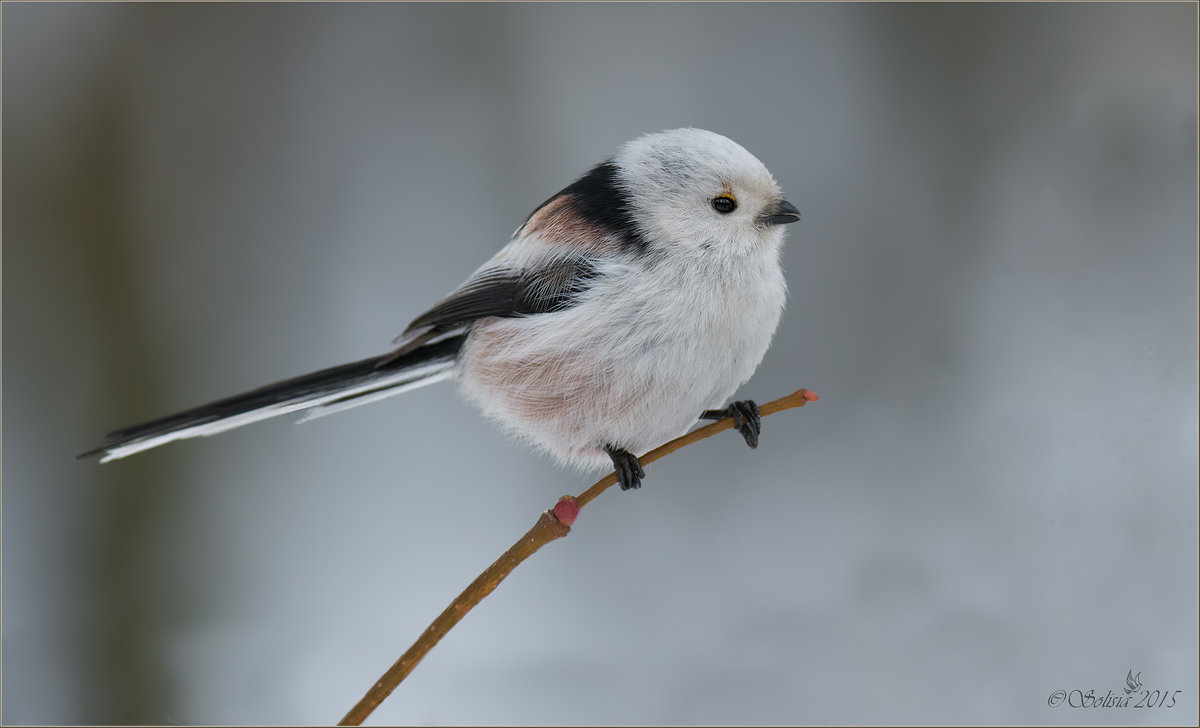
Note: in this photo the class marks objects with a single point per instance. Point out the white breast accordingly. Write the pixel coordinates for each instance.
(649, 347)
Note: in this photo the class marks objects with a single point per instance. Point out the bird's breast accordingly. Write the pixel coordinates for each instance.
(634, 362)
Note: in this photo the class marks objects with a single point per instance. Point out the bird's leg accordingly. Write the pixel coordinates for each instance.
(745, 416)
(629, 470)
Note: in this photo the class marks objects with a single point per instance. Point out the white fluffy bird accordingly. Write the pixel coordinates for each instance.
(627, 307)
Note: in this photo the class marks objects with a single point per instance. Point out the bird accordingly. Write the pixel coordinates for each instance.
(625, 309)
(1132, 682)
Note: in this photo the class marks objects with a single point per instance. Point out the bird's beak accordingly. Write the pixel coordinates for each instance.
(781, 213)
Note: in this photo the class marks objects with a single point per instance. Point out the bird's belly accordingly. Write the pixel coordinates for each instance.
(569, 387)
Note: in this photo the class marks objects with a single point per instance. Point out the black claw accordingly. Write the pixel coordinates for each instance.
(745, 417)
(629, 470)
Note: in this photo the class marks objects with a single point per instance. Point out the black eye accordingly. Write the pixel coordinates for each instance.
(724, 204)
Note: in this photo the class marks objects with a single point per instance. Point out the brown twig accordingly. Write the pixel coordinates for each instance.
(551, 525)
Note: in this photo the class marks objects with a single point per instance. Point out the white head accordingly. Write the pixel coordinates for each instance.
(697, 189)
(684, 189)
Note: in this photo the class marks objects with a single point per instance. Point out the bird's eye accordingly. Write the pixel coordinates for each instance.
(724, 204)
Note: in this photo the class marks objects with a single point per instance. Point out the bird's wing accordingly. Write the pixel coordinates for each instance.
(551, 283)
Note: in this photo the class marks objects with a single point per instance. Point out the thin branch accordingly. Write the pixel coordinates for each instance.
(551, 525)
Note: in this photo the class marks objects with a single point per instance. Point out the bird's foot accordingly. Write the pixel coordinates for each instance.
(629, 470)
(745, 417)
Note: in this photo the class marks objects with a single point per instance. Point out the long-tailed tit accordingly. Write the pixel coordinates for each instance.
(627, 307)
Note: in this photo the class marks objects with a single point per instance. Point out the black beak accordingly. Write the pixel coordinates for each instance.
(781, 213)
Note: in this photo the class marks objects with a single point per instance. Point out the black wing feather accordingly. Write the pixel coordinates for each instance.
(504, 293)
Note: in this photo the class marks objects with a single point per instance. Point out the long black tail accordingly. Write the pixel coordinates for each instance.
(322, 392)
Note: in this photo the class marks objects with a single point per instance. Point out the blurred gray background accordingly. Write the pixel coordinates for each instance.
(993, 290)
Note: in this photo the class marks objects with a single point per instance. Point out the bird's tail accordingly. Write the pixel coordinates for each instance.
(323, 392)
